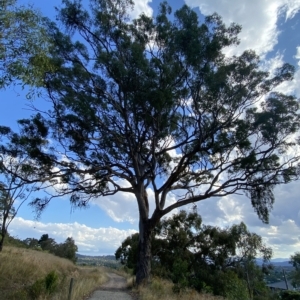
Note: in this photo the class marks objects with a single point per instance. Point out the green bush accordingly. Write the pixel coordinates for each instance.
(51, 282)
(179, 275)
(45, 286)
(231, 286)
(290, 295)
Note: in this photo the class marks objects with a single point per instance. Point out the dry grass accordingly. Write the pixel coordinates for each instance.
(162, 289)
(23, 272)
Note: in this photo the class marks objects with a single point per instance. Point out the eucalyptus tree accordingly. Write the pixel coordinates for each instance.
(13, 193)
(7, 213)
(153, 103)
(18, 179)
(24, 45)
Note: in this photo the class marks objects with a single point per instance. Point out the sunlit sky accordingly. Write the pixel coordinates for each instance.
(272, 29)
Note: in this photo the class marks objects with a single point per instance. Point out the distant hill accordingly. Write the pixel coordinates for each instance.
(111, 257)
(276, 262)
(104, 260)
(281, 264)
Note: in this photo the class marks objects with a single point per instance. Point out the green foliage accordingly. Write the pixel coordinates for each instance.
(45, 286)
(295, 261)
(7, 211)
(15, 184)
(24, 46)
(150, 87)
(290, 295)
(51, 282)
(32, 243)
(67, 249)
(128, 251)
(47, 244)
(179, 275)
(234, 288)
(209, 259)
(13, 241)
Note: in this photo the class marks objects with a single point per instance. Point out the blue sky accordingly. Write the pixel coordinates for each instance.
(272, 29)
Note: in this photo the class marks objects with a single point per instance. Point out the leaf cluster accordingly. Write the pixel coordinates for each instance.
(24, 46)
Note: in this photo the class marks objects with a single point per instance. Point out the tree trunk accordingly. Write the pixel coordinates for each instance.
(144, 253)
(3, 234)
(3, 230)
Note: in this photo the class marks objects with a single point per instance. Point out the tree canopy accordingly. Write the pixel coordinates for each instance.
(154, 103)
(17, 181)
(24, 45)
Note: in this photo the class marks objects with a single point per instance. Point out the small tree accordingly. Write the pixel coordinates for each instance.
(7, 212)
(13, 189)
(154, 103)
(67, 249)
(31, 243)
(128, 251)
(47, 243)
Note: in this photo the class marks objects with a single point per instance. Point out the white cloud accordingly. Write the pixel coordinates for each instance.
(291, 8)
(257, 17)
(283, 239)
(120, 207)
(283, 231)
(272, 64)
(297, 56)
(141, 7)
(93, 241)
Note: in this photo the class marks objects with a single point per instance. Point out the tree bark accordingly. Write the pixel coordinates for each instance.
(144, 253)
(3, 234)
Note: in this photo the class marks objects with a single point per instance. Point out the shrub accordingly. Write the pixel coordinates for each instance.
(51, 282)
(290, 295)
(45, 286)
(179, 275)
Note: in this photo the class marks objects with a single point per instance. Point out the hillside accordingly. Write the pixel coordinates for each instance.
(105, 261)
(30, 274)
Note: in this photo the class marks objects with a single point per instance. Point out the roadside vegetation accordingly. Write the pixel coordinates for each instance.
(31, 274)
(163, 289)
(207, 259)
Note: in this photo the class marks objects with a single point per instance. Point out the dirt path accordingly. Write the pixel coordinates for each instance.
(113, 289)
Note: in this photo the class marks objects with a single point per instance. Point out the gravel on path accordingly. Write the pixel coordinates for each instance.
(114, 289)
(108, 295)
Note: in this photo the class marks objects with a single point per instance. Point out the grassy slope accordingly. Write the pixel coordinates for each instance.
(23, 272)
